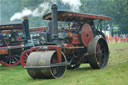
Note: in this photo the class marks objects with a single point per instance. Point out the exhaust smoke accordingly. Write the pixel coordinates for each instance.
(74, 4)
(45, 7)
(20, 15)
(37, 12)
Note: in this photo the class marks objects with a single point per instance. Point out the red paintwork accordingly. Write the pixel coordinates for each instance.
(9, 65)
(40, 29)
(19, 38)
(68, 45)
(24, 57)
(91, 16)
(50, 47)
(75, 39)
(59, 55)
(69, 16)
(18, 26)
(4, 51)
(86, 34)
(4, 46)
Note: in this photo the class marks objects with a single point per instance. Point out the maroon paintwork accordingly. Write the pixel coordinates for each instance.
(86, 34)
(69, 16)
(18, 26)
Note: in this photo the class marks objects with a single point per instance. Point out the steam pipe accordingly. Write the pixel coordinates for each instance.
(26, 28)
(54, 21)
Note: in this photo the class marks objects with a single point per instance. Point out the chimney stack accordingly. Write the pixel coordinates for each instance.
(54, 21)
(26, 28)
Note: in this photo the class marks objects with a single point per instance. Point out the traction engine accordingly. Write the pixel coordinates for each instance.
(12, 44)
(68, 47)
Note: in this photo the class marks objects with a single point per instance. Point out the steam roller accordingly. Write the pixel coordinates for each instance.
(45, 65)
(68, 47)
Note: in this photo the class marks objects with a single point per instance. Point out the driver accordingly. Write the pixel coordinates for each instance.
(14, 35)
(75, 27)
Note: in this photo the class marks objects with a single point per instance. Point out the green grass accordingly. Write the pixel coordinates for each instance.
(116, 73)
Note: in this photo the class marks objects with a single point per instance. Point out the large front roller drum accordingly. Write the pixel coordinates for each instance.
(98, 53)
(40, 65)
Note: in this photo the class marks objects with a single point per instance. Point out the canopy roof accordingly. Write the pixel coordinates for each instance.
(70, 16)
(18, 26)
(37, 28)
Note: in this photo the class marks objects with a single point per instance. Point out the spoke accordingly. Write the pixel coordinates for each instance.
(99, 53)
(16, 56)
(6, 59)
(27, 54)
(25, 58)
(15, 59)
(9, 60)
(54, 61)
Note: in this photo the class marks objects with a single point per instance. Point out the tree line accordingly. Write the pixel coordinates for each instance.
(117, 9)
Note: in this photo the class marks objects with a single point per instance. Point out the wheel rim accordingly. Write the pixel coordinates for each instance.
(11, 60)
(101, 54)
(24, 57)
(98, 53)
(57, 71)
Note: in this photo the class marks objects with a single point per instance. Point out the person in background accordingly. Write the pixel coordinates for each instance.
(110, 38)
(2, 39)
(13, 36)
(107, 38)
(124, 37)
(121, 38)
(116, 38)
(127, 37)
(19, 38)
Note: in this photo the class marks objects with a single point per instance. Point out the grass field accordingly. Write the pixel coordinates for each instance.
(116, 73)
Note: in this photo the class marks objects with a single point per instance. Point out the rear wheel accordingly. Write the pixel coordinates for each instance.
(10, 60)
(98, 53)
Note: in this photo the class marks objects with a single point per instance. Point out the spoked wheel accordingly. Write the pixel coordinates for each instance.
(24, 57)
(10, 60)
(44, 64)
(98, 53)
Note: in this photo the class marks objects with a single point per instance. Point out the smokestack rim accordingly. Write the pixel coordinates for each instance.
(54, 6)
(25, 17)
